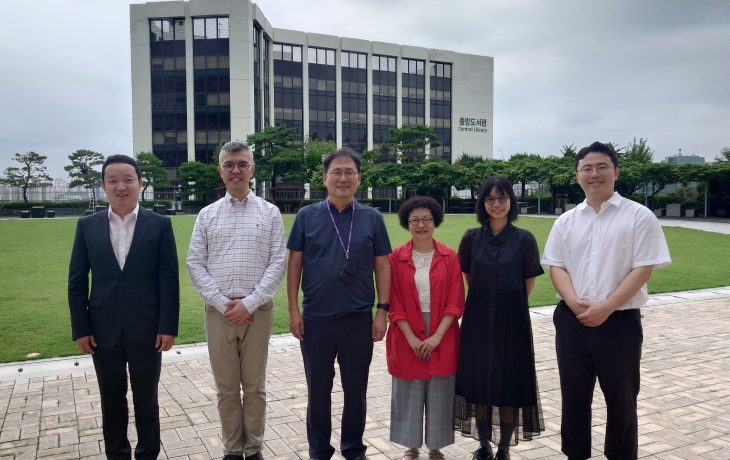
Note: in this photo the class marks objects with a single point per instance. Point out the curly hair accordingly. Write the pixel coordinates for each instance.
(404, 212)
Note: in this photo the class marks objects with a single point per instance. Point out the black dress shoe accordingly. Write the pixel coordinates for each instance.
(482, 454)
(256, 456)
(501, 455)
(233, 457)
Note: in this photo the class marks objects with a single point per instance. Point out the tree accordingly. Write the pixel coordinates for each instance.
(638, 152)
(569, 151)
(152, 172)
(32, 173)
(524, 168)
(724, 155)
(314, 151)
(199, 179)
(411, 142)
(82, 172)
(276, 156)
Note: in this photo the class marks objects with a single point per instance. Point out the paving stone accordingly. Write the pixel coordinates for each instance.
(684, 403)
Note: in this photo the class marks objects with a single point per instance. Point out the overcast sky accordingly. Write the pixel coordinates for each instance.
(566, 72)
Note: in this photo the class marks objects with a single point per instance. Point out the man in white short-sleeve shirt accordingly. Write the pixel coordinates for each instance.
(601, 255)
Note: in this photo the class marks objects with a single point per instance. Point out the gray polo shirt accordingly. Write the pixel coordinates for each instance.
(325, 294)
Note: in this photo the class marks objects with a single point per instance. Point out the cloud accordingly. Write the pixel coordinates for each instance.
(565, 71)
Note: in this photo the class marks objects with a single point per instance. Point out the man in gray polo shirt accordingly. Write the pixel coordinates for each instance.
(334, 248)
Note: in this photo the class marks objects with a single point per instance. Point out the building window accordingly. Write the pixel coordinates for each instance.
(441, 108)
(167, 76)
(414, 88)
(288, 89)
(211, 75)
(256, 78)
(384, 100)
(354, 100)
(267, 81)
(322, 110)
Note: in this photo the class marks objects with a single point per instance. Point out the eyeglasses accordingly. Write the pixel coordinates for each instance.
(490, 200)
(350, 173)
(424, 220)
(230, 167)
(600, 168)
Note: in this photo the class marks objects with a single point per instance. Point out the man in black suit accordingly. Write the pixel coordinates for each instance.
(131, 314)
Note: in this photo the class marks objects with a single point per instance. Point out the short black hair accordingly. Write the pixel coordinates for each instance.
(111, 159)
(597, 147)
(502, 185)
(341, 152)
(404, 212)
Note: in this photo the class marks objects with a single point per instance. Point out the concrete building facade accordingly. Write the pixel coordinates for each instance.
(208, 71)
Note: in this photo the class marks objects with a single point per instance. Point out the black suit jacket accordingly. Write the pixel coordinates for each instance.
(136, 303)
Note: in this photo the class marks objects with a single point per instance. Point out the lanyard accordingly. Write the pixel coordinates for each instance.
(337, 230)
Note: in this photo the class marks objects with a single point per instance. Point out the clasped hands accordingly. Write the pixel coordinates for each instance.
(590, 314)
(237, 313)
(423, 348)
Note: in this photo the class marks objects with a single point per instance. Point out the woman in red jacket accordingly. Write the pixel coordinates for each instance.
(426, 300)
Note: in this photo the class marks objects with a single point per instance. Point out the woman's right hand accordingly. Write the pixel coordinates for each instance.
(415, 344)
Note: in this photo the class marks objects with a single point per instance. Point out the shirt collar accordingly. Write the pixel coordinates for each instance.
(501, 236)
(407, 253)
(614, 201)
(134, 212)
(326, 202)
(235, 201)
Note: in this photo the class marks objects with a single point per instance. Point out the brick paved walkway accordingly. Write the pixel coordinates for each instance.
(51, 409)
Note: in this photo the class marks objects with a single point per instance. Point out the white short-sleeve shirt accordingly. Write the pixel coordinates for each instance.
(598, 250)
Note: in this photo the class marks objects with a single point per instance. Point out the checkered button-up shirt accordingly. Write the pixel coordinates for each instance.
(237, 251)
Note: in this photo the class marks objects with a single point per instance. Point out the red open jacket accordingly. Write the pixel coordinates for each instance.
(447, 298)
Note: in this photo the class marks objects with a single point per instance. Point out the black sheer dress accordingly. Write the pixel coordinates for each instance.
(496, 384)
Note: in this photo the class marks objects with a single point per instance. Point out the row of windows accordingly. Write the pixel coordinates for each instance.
(383, 63)
(169, 121)
(321, 115)
(413, 66)
(167, 63)
(170, 137)
(212, 137)
(210, 28)
(167, 30)
(168, 82)
(321, 56)
(210, 81)
(291, 53)
(211, 62)
(203, 100)
(353, 60)
(213, 120)
(171, 155)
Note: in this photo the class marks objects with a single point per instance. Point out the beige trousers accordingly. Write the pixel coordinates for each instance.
(238, 357)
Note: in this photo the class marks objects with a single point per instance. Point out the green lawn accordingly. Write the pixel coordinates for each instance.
(35, 254)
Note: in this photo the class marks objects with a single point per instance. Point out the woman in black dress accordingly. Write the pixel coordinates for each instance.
(496, 386)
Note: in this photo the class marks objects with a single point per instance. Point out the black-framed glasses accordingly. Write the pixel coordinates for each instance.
(491, 200)
(230, 167)
(418, 220)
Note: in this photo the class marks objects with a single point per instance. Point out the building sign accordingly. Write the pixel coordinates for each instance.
(472, 125)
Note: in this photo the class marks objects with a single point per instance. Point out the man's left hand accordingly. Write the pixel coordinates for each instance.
(237, 314)
(380, 325)
(164, 342)
(595, 314)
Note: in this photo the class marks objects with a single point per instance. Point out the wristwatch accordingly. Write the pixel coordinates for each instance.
(384, 306)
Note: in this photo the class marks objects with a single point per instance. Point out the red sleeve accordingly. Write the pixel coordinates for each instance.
(455, 297)
(397, 309)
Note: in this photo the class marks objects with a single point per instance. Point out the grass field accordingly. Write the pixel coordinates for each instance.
(34, 257)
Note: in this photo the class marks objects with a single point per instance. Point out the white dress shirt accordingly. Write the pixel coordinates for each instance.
(237, 251)
(599, 249)
(121, 232)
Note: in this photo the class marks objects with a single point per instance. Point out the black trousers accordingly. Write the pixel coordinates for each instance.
(610, 352)
(144, 375)
(349, 340)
